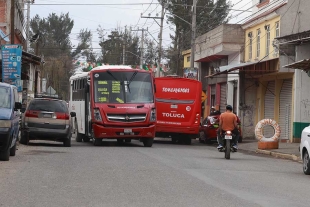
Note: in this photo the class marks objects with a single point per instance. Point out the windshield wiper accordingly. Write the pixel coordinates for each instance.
(130, 80)
(109, 72)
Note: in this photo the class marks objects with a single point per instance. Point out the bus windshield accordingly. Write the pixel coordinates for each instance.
(123, 87)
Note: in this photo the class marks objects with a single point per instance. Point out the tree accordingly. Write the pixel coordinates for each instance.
(55, 45)
(210, 14)
(112, 47)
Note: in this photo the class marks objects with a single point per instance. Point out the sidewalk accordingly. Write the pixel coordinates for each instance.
(286, 150)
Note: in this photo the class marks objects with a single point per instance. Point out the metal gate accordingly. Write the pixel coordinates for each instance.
(223, 102)
(285, 109)
(269, 107)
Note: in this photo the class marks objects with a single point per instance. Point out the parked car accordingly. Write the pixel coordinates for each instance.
(47, 119)
(304, 149)
(9, 120)
(208, 129)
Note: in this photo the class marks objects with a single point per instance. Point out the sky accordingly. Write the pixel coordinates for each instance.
(119, 13)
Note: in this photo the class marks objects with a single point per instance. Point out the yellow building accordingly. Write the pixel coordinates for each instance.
(273, 86)
(187, 58)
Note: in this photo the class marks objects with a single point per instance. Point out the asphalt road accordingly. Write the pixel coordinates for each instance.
(47, 174)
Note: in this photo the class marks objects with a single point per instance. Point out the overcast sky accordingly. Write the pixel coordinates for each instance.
(118, 15)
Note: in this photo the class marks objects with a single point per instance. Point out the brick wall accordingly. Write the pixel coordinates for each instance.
(3, 11)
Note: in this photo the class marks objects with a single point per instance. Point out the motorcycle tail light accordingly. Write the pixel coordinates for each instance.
(228, 132)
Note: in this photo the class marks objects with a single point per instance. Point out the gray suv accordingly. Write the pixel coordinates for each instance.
(47, 119)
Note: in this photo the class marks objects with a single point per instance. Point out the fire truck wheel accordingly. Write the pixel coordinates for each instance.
(97, 142)
(148, 142)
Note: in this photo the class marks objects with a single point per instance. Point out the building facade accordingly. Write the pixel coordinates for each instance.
(14, 34)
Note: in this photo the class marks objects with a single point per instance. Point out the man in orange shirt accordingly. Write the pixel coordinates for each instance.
(228, 122)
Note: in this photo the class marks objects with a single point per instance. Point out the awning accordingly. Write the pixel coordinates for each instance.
(229, 68)
(3, 36)
(302, 65)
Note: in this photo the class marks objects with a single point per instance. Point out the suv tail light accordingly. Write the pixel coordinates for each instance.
(64, 116)
(33, 114)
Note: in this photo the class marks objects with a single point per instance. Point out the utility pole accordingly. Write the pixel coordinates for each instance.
(28, 26)
(193, 33)
(124, 52)
(159, 36)
(142, 45)
(12, 21)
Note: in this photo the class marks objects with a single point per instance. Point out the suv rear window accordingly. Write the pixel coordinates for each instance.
(48, 105)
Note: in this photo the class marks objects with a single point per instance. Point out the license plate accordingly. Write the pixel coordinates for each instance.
(127, 130)
(47, 115)
(228, 137)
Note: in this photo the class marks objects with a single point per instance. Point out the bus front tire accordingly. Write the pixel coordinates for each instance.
(97, 142)
(148, 142)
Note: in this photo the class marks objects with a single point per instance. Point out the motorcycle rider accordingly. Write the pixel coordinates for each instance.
(228, 122)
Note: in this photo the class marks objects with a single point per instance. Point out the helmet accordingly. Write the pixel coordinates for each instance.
(229, 107)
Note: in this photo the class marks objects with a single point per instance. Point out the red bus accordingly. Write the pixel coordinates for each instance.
(114, 102)
(178, 105)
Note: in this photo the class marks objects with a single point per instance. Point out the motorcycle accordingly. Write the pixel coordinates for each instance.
(228, 144)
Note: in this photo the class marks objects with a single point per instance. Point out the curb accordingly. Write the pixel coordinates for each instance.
(279, 155)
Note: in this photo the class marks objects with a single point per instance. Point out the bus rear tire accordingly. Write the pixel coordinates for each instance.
(187, 140)
(148, 142)
(97, 142)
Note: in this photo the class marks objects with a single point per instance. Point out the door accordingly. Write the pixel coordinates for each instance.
(213, 89)
(223, 101)
(269, 107)
(285, 109)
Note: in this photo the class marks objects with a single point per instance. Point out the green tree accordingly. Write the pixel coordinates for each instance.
(55, 45)
(210, 14)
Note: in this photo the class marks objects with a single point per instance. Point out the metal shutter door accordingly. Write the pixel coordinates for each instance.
(223, 102)
(285, 109)
(269, 107)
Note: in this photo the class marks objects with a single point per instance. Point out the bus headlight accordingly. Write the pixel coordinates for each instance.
(97, 114)
(153, 115)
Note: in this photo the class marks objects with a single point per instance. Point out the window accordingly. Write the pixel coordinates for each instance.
(188, 58)
(277, 29)
(267, 28)
(277, 34)
(262, 1)
(258, 44)
(250, 45)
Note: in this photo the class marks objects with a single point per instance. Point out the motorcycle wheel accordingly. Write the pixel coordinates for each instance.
(227, 149)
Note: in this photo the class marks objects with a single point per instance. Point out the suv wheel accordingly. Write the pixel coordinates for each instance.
(67, 142)
(5, 155)
(24, 139)
(306, 163)
(13, 150)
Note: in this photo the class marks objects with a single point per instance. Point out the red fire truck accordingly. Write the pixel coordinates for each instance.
(113, 102)
(178, 106)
